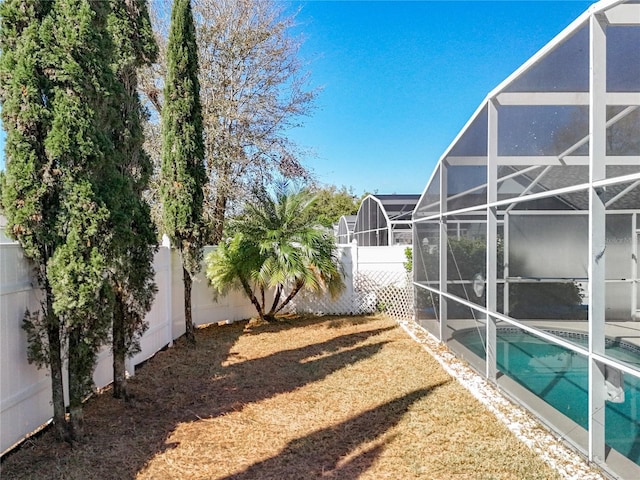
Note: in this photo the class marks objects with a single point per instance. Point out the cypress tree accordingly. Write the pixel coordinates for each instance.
(182, 172)
(81, 145)
(135, 241)
(59, 94)
(31, 184)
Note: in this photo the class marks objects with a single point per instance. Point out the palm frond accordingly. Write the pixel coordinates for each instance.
(277, 243)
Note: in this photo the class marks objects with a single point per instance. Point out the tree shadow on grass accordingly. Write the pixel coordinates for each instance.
(321, 454)
(249, 381)
(184, 384)
(294, 321)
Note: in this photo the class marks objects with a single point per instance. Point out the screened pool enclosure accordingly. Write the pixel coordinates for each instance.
(526, 238)
(346, 224)
(384, 220)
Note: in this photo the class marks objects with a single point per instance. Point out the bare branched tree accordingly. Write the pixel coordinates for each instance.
(253, 89)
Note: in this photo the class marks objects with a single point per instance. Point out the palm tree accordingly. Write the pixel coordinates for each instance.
(276, 245)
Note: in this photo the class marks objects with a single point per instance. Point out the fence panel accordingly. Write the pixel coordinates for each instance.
(374, 277)
(25, 391)
(372, 292)
(159, 333)
(387, 292)
(206, 307)
(376, 281)
(382, 259)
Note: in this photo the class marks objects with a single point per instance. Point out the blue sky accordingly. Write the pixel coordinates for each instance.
(401, 78)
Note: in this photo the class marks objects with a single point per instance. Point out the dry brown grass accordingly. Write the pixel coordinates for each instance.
(340, 398)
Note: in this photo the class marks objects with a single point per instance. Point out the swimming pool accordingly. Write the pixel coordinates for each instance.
(560, 377)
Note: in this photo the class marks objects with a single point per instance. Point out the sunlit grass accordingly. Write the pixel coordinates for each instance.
(340, 398)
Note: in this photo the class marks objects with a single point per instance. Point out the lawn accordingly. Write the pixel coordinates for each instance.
(306, 398)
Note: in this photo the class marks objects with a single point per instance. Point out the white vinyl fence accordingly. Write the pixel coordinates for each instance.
(374, 277)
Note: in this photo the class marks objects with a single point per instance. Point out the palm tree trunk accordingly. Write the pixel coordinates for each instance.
(263, 303)
(276, 299)
(293, 293)
(252, 297)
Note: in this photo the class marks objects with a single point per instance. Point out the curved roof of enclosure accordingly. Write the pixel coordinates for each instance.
(535, 126)
(348, 221)
(379, 215)
(346, 225)
(397, 207)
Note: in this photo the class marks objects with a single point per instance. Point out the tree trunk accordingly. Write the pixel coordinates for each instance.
(188, 320)
(293, 293)
(219, 212)
(55, 365)
(119, 350)
(252, 297)
(76, 384)
(276, 298)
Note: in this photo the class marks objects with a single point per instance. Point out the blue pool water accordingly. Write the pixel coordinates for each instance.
(560, 377)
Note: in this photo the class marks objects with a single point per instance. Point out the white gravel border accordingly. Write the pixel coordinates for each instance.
(552, 450)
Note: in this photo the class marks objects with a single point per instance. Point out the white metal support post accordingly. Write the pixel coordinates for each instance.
(597, 235)
(443, 248)
(634, 266)
(492, 239)
(505, 260)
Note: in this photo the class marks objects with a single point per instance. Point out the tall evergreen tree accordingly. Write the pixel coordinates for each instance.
(254, 89)
(135, 239)
(80, 143)
(59, 95)
(183, 173)
(31, 184)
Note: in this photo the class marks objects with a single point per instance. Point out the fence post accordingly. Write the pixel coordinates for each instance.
(129, 366)
(354, 272)
(168, 293)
